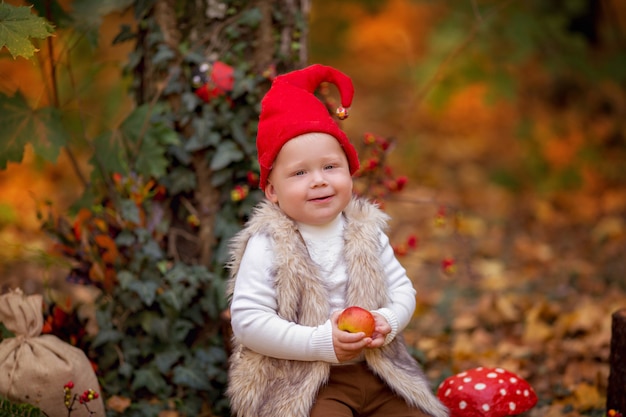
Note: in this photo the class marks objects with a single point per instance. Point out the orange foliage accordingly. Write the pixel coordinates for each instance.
(25, 185)
(395, 36)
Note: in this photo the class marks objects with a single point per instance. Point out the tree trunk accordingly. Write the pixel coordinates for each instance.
(210, 29)
(616, 394)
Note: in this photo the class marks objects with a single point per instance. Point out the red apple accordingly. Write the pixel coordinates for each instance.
(356, 319)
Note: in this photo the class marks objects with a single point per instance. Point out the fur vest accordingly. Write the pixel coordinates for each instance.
(261, 386)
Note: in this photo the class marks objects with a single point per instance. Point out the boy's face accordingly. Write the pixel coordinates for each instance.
(310, 179)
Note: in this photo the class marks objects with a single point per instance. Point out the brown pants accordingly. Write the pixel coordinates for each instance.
(354, 391)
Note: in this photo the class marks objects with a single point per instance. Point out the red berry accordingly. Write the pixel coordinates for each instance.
(448, 265)
(369, 138)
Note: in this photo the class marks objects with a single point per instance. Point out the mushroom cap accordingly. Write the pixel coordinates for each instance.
(486, 392)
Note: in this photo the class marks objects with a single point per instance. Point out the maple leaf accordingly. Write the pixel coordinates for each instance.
(21, 125)
(18, 26)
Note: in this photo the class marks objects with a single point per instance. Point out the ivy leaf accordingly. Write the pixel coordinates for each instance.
(107, 336)
(17, 26)
(151, 140)
(108, 154)
(129, 211)
(180, 329)
(226, 153)
(145, 290)
(151, 158)
(22, 125)
(191, 377)
(165, 360)
(149, 379)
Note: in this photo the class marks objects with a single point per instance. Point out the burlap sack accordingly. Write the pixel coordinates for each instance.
(34, 368)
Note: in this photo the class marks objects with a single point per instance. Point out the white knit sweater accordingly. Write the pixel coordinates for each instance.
(253, 309)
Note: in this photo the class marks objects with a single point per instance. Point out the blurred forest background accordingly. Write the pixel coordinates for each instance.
(509, 121)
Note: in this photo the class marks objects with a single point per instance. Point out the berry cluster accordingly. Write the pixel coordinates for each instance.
(448, 266)
(375, 178)
(409, 244)
(84, 398)
(239, 193)
(613, 413)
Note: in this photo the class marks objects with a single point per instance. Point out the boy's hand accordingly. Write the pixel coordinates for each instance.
(347, 345)
(381, 330)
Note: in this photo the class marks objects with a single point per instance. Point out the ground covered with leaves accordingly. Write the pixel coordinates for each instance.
(518, 284)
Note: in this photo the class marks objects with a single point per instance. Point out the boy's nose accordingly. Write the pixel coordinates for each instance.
(318, 179)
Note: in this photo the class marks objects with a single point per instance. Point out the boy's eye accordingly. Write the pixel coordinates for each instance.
(301, 172)
(329, 167)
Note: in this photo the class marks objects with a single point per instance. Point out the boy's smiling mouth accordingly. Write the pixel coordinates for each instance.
(323, 198)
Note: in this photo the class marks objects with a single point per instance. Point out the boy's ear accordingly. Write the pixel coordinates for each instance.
(270, 193)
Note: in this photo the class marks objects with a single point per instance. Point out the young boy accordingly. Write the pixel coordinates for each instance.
(310, 250)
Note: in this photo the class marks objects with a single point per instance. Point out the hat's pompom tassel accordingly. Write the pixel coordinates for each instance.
(342, 113)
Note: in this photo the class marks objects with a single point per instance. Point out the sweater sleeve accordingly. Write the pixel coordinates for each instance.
(254, 317)
(402, 303)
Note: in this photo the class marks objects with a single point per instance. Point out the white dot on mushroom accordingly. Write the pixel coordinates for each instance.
(513, 380)
(480, 386)
(462, 405)
(468, 379)
(512, 406)
(502, 391)
(486, 407)
(492, 375)
(448, 391)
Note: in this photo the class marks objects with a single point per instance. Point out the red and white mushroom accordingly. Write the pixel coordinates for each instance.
(486, 392)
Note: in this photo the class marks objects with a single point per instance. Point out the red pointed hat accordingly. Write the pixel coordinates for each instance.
(290, 108)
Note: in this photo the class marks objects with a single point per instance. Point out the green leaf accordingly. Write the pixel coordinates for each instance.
(130, 211)
(191, 377)
(152, 250)
(108, 154)
(180, 329)
(172, 299)
(136, 123)
(212, 355)
(22, 125)
(226, 153)
(165, 360)
(145, 290)
(151, 158)
(151, 140)
(125, 278)
(251, 17)
(125, 369)
(181, 179)
(149, 379)
(17, 26)
(107, 336)
(155, 325)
